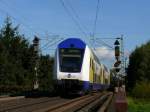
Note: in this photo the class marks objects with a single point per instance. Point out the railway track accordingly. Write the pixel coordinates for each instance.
(96, 102)
(29, 104)
(90, 103)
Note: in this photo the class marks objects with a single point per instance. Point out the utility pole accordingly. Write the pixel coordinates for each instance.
(36, 51)
(122, 54)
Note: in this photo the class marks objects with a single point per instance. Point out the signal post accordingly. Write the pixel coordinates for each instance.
(120, 96)
(36, 51)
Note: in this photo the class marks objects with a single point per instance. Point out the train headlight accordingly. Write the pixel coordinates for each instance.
(69, 75)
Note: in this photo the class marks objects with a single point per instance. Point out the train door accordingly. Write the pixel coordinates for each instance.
(91, 71)
(103, 77)
(94, 72)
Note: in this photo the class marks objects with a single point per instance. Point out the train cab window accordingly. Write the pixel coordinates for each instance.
(71, 59)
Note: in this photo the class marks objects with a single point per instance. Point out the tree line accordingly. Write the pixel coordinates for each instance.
(17, 62)
(138, 72)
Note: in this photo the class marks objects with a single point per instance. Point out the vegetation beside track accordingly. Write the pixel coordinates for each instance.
(17, 63)
(138, 79)
(139, 66)
(138, 105)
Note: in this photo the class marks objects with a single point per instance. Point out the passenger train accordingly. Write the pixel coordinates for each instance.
(77, 69)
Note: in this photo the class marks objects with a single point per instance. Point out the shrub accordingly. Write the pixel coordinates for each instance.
(141, 90)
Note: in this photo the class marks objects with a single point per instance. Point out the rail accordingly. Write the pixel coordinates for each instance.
(89, 103)
(95, 102)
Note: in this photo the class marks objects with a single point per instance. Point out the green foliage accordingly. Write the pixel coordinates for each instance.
(138, 105)
(18, 60)
(15, 59)
(45, 73)
(139, 66)
(141, 90)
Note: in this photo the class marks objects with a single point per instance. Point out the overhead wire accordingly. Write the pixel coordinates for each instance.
(97, 40)
(20, 21)
(95, 26)
(104, 43)
(73, 19)
(96, 17)
(77, 16)
(27, 26)
(78, 24)
(53, 44)
(48, 42)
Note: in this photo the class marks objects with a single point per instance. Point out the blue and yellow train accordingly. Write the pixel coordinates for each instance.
(77, 69)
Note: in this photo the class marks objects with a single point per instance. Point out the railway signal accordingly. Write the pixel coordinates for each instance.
(36, 50)
(117, 63)
(36, 44)
(117, 69)
(117, 43)
(117, 56)
(117, 52)
(117, 49)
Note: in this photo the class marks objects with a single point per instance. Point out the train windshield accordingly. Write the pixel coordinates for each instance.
(71, 59)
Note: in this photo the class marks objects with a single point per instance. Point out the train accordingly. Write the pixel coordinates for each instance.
(77, 70)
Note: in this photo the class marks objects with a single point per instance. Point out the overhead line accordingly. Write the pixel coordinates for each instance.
(104, 43)
(94, 28)
(99, 39)
(74, 20)
(44, 46)
(77, 16)
(96, 16)
(53, 43)
(18, 20)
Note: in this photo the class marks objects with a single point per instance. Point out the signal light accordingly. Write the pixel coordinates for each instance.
(117, 58)
(36, 43)
(117, 69)
(117, 55)
(117, 64)
(116, 43)
(117, 51)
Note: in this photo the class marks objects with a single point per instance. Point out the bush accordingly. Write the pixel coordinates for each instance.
(141, 90)
(14, 90)
(138, 105)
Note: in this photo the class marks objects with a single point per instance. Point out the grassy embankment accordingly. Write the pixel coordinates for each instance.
(138, 105)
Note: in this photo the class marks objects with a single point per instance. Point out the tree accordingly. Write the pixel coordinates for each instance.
(16, 59)
(45, 73)
(139, 67)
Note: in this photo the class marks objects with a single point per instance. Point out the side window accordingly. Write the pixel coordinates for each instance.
(90, 62)
(92, 65)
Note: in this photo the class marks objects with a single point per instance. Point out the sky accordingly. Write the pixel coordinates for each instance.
(49, 20)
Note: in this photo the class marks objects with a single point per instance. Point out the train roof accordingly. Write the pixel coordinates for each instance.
(95, 57)
(106, 68)
(72, 43)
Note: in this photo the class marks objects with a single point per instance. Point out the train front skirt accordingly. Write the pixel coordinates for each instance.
(74, 86)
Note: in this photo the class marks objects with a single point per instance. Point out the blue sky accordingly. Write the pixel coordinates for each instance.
(48, 17)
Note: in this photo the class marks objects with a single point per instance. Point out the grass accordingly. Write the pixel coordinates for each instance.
(138, 105)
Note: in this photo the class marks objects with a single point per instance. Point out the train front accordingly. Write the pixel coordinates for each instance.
(68, 65)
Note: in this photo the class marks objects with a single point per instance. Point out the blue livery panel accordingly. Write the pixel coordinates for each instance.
(72, 43)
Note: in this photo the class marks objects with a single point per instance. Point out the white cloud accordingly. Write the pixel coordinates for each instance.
(104, 53)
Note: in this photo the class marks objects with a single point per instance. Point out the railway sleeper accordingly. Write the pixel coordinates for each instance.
(95, 105)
